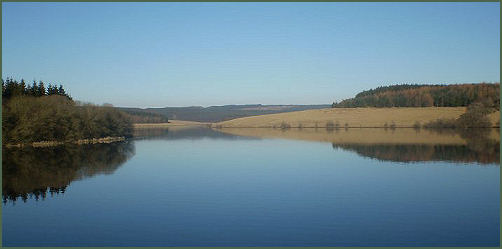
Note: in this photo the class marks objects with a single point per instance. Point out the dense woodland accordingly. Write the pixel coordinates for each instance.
(35, 113)
(426, 96)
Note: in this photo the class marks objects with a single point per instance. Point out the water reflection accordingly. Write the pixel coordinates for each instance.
(423, 152)
(398, 145)
(37, 172)
(32, 173)
(192, 188)
(183, 132)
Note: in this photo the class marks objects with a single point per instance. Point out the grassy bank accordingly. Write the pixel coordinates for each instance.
(332, 118)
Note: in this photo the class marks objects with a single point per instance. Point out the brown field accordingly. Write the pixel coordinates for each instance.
(350, 117)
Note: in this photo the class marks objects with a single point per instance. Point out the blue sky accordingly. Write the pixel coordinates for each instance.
(183, 54)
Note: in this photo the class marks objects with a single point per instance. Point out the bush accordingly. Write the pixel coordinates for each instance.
(473, 120)
(417, 125)
(441, 123)
(285, 125)
(330, 125)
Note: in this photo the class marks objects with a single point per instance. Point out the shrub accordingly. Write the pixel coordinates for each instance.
(441, 123)
(472, 119)
(330, 125)
(417, 125)
(285, 125)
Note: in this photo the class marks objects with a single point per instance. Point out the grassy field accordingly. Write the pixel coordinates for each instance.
(350, 117)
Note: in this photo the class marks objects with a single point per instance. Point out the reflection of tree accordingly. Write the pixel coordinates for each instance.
(33, 172)
(478, 140)
(479, 148)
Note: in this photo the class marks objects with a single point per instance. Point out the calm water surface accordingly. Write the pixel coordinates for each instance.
(201, 187)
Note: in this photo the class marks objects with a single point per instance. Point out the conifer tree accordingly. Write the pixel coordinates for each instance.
(41, 89)
(34, 89)
(61, 90)
(23, 87)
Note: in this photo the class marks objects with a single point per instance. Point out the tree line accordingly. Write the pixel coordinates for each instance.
(137, 116)
(34, 114)
(12, 88)
(407, 95)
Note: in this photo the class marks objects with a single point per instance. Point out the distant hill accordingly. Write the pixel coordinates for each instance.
(426, 96)
(139, 116)
(217, 113)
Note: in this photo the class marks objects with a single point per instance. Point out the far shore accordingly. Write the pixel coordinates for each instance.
(395, 117)
(171, 123)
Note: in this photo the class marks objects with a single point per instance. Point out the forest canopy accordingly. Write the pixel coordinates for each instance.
(407, 95)
(35, 113)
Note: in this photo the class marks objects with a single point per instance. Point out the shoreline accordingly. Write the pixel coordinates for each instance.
(172, 123)
(217, 127)
(41, 144)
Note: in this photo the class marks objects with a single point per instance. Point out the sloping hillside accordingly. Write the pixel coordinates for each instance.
(352, 117)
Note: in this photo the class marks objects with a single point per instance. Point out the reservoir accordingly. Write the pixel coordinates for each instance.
(257, 187)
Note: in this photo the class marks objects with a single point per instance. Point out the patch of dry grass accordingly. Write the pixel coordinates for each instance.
(396, 117)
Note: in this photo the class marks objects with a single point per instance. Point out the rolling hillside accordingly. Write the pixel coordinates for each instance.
(351, 117)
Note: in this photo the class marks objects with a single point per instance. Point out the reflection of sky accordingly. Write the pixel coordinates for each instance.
(265, 192)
